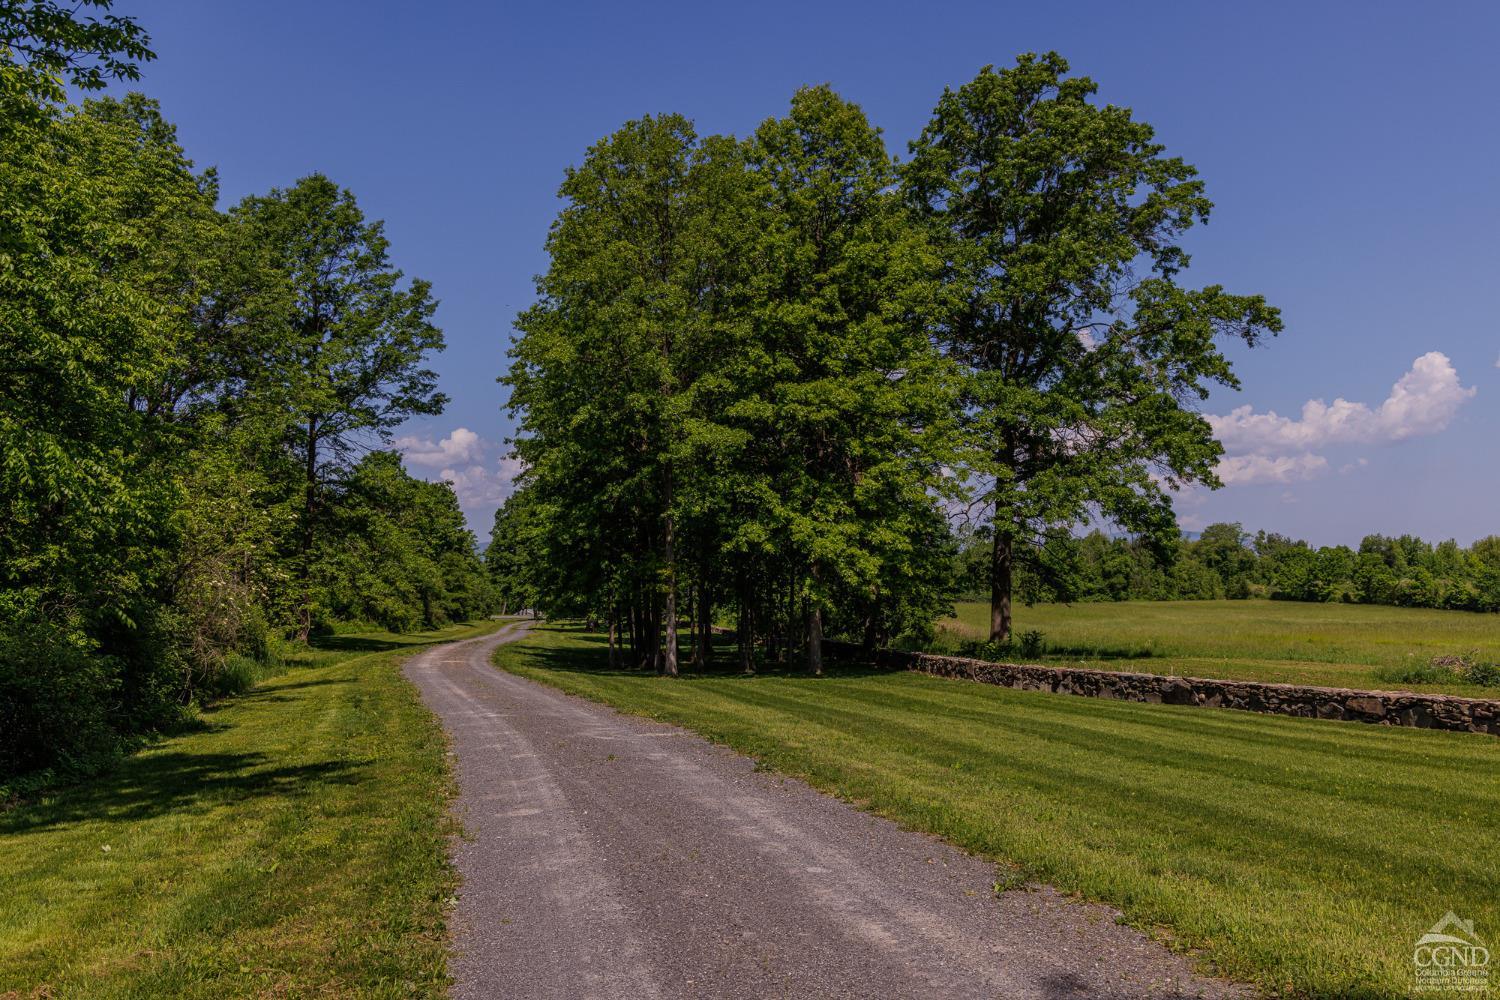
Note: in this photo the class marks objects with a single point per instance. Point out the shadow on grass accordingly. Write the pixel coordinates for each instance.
(357, 644)
(362, 643)
(1053, 651)
(1057, 651)
(276, 692)
(723, 665)
(156, 783)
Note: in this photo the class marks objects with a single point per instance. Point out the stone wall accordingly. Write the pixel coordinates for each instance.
(1387, 708)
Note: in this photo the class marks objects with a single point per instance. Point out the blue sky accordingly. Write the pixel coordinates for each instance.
(1351, 149)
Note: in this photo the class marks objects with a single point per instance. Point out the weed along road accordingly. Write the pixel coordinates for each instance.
(610, 856)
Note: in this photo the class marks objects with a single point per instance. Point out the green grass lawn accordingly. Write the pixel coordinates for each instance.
(1337, 645)
(292, 843)
(1303, 856)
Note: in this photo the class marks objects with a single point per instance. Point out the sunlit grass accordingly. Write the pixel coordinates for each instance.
(291, 844)
(1338, 645)
(1304, 856)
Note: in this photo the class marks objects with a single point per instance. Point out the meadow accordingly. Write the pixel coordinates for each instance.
(1299, 855)
(291, 841)
(1335, 645)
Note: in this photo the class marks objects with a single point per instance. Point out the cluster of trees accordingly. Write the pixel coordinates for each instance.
(188, 402)
(763, 373)
(1225, 561)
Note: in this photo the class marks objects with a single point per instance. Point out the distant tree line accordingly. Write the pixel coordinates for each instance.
(1224, 561)
(191, 406)
(762, 373)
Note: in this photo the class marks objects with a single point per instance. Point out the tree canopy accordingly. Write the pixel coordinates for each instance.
(764, 376)
(1060, 223)
(189, 399)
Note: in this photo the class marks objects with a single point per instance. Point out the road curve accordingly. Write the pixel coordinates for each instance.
(609, 856)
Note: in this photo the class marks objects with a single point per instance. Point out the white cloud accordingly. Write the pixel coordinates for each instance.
(1244, 470)
(459, 458)
(1192, 522)
(479, 486)
(1423, 401)
(463, 445)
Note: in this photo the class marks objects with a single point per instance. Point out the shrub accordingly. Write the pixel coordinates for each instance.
(236, 675)
(1483, 674)
(54, 701)
(1445, 670)
(1417, 673)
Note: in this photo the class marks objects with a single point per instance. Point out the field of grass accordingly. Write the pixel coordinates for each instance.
(1303, 856)
(290, 843)
(1336, 645)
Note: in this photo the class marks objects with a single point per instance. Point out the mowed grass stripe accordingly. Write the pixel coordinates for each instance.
(1134, 787)
(294, 844)
(1217, 750)
(1304, 856)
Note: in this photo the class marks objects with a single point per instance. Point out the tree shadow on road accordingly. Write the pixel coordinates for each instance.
(382, 642)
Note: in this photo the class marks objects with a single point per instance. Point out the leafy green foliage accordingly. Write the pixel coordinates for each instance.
(1226, 561)
(44, 45)
(349, 343)
(762, 373)
(726, 392)
(1060, 222)
(399, 554)
(182, 394)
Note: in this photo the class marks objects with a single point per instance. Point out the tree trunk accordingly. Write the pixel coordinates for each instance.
(707, 619)
(614, 649)
(814, 630)
(633, 626)
(796, 627)
(702, 629)
(815, 639)
(654, 631)
(1000, 581)
(746, 639)
(695, 655)
(669, 662)
(309, 507)
(642, 646)
(871, 638)
(745, 627)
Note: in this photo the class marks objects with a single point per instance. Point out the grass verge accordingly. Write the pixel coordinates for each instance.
(291, 842)
(1303, 856)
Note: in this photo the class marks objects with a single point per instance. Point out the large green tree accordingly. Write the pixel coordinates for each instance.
(1060, 220)
(351, 343)
(609, 373)
(397, 552)
(847, 403)
(169, 374)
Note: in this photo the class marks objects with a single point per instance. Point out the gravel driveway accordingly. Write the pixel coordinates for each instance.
(610, 856)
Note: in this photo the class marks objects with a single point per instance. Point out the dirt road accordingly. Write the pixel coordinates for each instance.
(608, 856)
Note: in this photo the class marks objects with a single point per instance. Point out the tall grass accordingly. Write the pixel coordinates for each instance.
(1340, 645)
